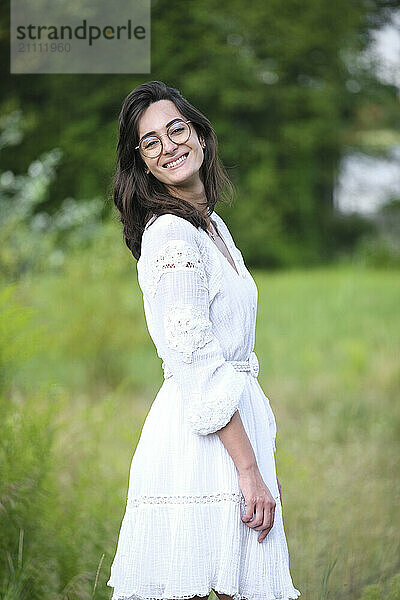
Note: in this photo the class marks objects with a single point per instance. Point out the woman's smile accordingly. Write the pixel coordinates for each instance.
(176, 162)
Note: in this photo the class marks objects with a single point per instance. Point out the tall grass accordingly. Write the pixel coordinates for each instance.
(329, 349)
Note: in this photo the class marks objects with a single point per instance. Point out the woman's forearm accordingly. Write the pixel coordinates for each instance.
(260, 504)
(235, 439)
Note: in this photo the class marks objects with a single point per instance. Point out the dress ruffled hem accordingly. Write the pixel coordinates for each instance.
(289, 594)
(140, 573)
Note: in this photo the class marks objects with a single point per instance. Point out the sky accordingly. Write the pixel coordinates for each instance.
(387, 47)
(364, 182)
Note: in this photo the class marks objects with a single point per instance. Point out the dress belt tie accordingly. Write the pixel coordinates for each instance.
(250, 365)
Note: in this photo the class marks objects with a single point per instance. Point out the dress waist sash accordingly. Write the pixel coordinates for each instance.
(251, 365)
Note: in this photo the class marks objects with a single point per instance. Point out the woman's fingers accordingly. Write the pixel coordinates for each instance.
(268, 521)
(260, 504)
(260, 516)
(267, 528)
(249, 512)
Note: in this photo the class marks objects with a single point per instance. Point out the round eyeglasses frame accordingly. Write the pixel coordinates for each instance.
(162, 135)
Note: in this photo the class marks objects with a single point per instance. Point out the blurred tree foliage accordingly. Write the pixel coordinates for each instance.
(31, 239)
(283, 85)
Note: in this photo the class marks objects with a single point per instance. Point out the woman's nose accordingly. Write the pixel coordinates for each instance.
(168, 145)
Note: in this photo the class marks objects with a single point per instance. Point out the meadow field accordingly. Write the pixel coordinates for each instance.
(79, 374)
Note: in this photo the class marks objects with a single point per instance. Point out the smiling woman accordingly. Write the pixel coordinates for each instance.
(203, 490)
(158, 126)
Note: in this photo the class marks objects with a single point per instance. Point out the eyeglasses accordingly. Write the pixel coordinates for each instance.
(178, 132)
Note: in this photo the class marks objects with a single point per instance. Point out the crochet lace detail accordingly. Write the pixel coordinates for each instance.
(202, 499)
(186, 329)
(236, 497)
(175, 255)
(209, 413)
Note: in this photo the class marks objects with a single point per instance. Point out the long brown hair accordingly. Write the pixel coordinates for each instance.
(137, 195)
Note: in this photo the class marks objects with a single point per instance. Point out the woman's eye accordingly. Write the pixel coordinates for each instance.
(149, 143)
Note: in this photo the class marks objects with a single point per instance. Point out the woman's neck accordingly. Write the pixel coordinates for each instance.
(194, 194)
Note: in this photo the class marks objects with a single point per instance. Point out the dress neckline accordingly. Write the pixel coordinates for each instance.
(236, 269)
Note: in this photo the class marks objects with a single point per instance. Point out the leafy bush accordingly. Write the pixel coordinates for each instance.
(31, 239)
(378, 251)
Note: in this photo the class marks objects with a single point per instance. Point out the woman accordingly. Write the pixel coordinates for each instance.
(204, 506)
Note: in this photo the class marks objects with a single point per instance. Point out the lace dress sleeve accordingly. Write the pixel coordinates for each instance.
(176, 286)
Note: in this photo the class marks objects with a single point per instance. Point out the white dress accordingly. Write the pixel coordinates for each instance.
(182, 533)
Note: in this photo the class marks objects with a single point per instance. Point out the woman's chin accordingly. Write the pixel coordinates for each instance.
(185, 176)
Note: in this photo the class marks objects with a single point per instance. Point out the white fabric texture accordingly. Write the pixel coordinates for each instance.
(182, 534)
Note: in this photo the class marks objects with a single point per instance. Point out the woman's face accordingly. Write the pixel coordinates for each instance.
(155, 119)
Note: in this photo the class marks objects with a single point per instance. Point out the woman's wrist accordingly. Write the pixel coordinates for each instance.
(248, 469)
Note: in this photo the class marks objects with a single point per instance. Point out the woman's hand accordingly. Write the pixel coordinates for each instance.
(259, 501)
(280, 489)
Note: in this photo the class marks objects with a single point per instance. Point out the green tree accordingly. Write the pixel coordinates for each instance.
(281, 84)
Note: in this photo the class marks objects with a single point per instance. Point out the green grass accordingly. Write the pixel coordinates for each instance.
(328, 343)
(329, 347)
